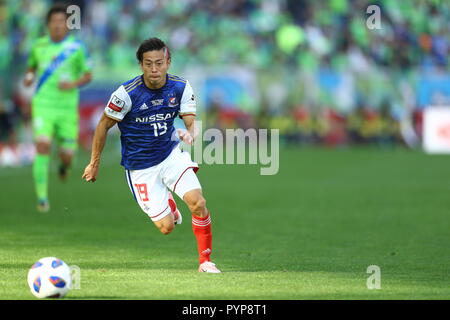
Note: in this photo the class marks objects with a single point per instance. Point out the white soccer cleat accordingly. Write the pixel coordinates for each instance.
(208, 267)
(43, 206)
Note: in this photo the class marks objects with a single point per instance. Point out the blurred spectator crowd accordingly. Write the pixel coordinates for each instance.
(322, 75)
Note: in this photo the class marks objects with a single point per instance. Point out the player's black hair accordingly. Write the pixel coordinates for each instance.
(57, 8)
(151, 45)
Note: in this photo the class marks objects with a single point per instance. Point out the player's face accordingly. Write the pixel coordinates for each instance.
(57, 26)
(155, 65)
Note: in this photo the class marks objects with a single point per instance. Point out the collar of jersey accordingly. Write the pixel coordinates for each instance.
(60, 41)
(164, 86)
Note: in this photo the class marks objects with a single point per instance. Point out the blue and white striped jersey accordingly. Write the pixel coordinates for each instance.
(146, 117)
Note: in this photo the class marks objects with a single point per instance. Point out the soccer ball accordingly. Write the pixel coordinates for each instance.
(49, 278)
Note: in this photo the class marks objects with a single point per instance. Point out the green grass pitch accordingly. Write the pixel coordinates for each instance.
(309, 232)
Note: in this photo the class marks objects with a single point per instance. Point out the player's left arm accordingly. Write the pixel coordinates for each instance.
(32, 64)
(189, 135)
(188, 109)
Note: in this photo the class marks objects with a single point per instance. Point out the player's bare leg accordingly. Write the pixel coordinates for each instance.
(201, 226)
(66, 157)
(40, 173)
(166, 224)
(196, 203)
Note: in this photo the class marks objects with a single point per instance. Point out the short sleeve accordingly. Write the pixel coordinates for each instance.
(118, 105)
(188, 105)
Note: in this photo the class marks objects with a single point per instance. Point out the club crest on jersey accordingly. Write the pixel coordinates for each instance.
(116, 104)
(157, 102)
(173, 102)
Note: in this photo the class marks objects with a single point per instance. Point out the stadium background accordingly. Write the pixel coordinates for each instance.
(354, 187)
(311, 69)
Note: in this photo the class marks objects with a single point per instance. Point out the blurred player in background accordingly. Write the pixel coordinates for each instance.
(59, 64)
(145, 108)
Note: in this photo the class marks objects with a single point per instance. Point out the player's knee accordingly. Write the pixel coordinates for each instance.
(66, 157)
(165, 225)
(198, 206)
(166, 229)
(43, 147)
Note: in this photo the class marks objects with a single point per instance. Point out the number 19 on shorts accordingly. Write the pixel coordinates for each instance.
(142, 191)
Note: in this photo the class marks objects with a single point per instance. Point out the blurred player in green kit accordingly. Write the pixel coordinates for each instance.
(59, 64)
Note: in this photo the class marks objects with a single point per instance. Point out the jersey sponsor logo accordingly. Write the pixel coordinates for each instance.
(157, 102)
(156, 117)
(116, 104)
(143, 107)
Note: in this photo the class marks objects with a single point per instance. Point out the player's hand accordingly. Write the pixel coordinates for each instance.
(27, 82)
(29, 79)
(66, 85)
(185, 136)
(90, 173)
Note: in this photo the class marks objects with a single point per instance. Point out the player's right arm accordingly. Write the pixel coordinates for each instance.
(32, 64)
(91, 171)
(118, 106)
(187, 113)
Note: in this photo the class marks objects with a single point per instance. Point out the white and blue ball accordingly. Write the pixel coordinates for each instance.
(49, 277)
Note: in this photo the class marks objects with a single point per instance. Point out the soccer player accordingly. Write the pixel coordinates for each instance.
(144, 108)
(60, 64)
